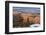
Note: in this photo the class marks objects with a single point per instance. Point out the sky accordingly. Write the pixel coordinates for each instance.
(27, 9)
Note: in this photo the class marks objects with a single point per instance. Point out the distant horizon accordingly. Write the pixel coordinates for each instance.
(27, 9)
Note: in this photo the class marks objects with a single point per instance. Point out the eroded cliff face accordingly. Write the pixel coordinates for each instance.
(28, 17)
